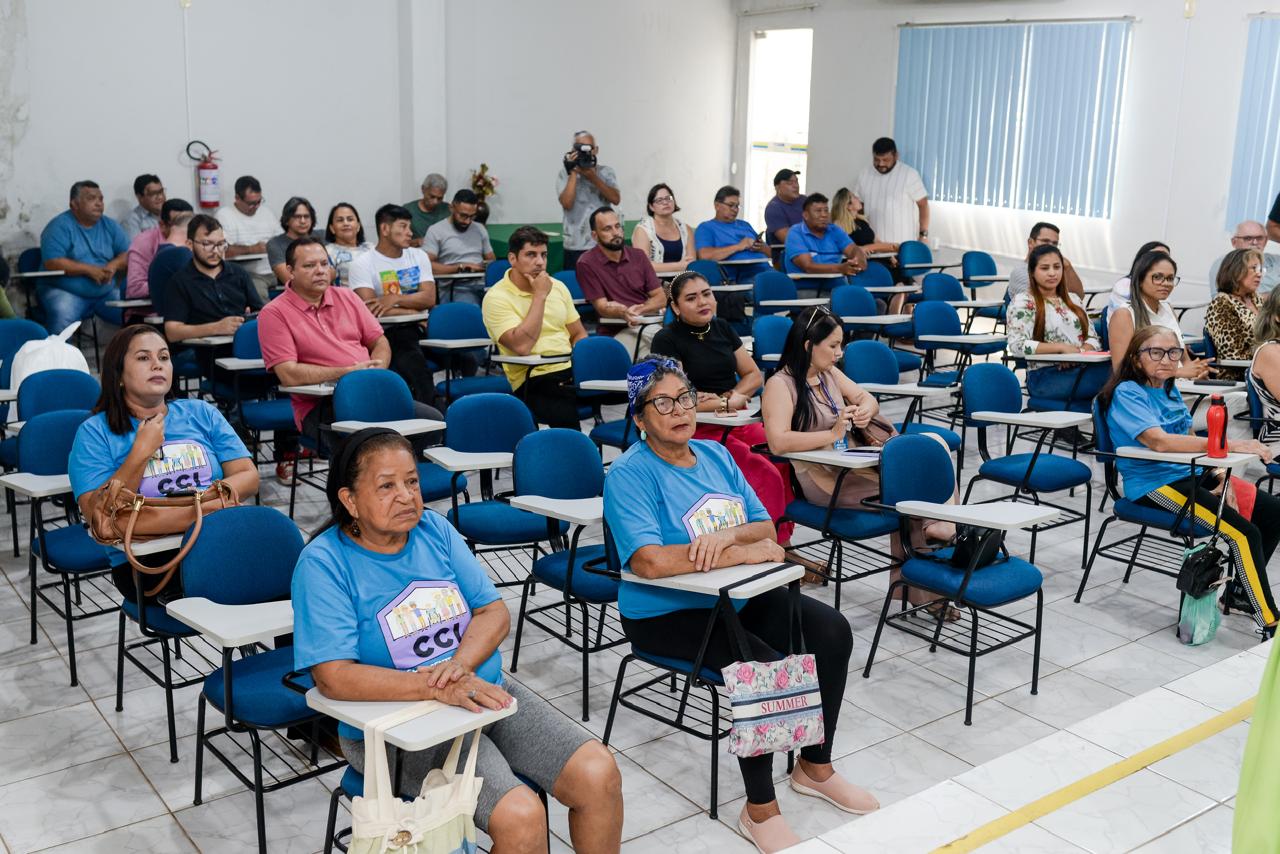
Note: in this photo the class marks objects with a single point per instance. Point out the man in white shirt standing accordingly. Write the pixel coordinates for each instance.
(394, 278)
(248, 224)
(894, 196)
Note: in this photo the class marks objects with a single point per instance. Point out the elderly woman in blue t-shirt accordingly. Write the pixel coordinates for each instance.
(389, 604)
(1144, 409)
(676, 505)
(155, 444)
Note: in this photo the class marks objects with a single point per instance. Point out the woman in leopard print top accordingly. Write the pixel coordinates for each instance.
(1230, 318)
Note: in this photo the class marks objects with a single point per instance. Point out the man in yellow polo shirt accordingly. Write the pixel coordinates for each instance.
(529, 313)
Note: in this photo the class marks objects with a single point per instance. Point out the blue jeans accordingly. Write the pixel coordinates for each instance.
(63, 306)
(1053, 384)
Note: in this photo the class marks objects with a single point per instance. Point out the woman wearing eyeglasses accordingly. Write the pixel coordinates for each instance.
(666, 238)
(1144, 409)
(1230, 317)
(1121, 290)
(677, 505)
(297, 218)
(1048, 319)
(809, 404)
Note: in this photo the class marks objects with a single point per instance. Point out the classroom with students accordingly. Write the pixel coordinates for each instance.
(718, 426)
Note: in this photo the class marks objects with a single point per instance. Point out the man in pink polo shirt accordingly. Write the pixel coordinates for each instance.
(314, 333)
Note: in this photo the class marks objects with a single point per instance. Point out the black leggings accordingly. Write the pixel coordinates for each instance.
(1251, 543)
(408, 360)
(826, 634)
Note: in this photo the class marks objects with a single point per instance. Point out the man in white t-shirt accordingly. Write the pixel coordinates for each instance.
(893, 195)
(394, 278)
(248, 224)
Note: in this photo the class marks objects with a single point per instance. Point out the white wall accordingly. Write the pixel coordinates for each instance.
(388, 90)
(1177, 130)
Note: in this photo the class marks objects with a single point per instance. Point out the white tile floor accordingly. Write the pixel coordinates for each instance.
(77, 776)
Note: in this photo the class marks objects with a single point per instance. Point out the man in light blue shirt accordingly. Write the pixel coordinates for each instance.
(729, 239)
(816, 246)
(1250, 235)
(91, 251)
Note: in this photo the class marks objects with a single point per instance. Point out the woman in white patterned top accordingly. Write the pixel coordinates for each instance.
(1049, 319)
(344, 240)
(1264, 372)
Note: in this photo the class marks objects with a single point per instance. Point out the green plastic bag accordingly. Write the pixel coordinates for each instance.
(1199, 619)
(1257, 825)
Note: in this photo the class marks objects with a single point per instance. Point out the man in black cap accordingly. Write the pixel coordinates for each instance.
(786, 208)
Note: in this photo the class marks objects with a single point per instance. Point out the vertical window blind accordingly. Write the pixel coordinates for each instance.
(1014, 115)
(1255, 171)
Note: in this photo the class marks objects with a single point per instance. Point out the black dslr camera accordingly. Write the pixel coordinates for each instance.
(586, 159)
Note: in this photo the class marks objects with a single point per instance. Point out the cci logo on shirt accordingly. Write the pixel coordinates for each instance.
(424, 623)
(182, 467)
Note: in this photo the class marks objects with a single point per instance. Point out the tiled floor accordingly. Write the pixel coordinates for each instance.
(75, 775)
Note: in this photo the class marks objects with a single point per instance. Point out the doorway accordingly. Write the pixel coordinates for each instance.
(777, 114)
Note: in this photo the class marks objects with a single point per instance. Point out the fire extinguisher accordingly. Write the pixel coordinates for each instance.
(209, 193)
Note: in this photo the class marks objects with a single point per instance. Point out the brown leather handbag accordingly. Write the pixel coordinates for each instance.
(123, 517)
(876, 433)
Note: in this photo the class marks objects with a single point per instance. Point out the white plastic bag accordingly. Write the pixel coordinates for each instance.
(46, 354)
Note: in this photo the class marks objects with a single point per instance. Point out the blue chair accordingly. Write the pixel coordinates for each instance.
(66, 551)
(874, 362)
(932, 317)
(13, 334)
(981, 264)
(487, 424)
(915, 258)
(771, 285)
(564, 464)
(570, 280)
(1257, 420)
(875, 276)
(494, 271)
(942, 286)
(994, 388)
(768, 334)
(245, 556)
(855, 301)
(455, 321)
(916, 468)
(709, 270)
(599, 357)
(253, 392)
(381, 395)
(1182, 528)
(1210, 349)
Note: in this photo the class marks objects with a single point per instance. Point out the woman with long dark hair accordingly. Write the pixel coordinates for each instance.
(1144, 409)
(809, 404)
(155, 443)
(1121, 291)
(344, 239)
(1046, 319)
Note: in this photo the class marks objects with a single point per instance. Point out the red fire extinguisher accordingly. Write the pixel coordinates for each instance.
(209, 193)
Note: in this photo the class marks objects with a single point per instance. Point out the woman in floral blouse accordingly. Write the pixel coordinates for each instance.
(1046, 319)
(1230, 317)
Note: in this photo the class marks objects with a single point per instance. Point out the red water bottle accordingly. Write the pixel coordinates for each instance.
(1216, 419)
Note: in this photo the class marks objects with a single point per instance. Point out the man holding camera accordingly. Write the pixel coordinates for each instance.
(583, 185)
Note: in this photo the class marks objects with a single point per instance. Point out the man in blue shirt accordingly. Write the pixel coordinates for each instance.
(90, 249)
(731, 241)
(817, 246)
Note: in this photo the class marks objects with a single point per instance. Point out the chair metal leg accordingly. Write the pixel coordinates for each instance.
(1093, 555)
(613, 702)
(31, 571)
(1133, 557)
(257, 791)
(1035, 655)
(715, 752)
(586, 638)
(168, 701)
(1084, 544)
(937, 629)
(11, 503)
(973, 663)
(199, 750)
(71, 626)
(875, 641)
(331, 826)
(524, 604)
(120, 666)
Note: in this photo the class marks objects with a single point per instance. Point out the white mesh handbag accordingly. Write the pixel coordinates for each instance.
(440, 820)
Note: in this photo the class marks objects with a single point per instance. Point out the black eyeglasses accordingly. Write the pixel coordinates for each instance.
(665, 405)
(1159, 354)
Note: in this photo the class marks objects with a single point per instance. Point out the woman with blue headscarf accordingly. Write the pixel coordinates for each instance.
(677, 505)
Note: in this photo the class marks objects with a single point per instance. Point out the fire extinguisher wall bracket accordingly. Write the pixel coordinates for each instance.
(209, 192)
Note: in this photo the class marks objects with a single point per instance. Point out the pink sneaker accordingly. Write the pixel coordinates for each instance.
(769, 836)
(836, 791)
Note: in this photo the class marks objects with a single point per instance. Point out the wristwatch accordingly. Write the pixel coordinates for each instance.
(924, 232)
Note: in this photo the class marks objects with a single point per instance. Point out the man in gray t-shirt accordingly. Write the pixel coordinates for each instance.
(581, 190)
(459, 245)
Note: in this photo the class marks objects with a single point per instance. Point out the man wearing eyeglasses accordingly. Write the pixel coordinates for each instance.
(460, 245)
(208, 296)
(150, 195)
(249, 224)
(1250, 235)
(582, 186)
(729, 239)
(1043, 234)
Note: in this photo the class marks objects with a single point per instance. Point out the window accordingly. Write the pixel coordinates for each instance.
(1255, 174)
(1013, 115)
